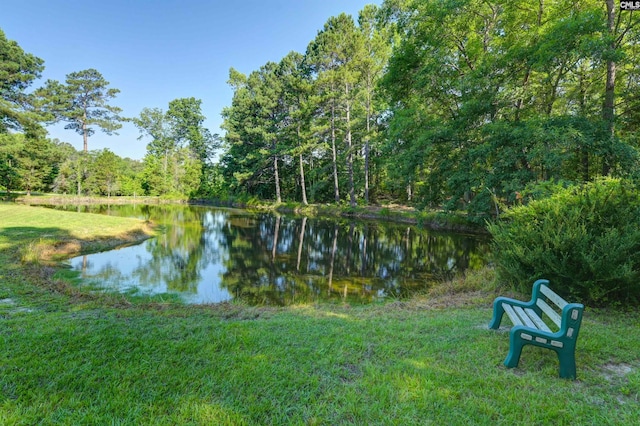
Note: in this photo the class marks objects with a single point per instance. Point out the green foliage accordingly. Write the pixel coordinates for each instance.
(36, 162)
(71, 177)
(99, 173)
(105, 179)
(82, 102)
(489, 97)
(10, 146)
(213, 184)
(584, 239)
(253, 124)
(334, 57)
(179, 156)
(131, 185)
(18, 70)
(185, 120)
(155, 178)
(130, 177)
(308, 125)
(28, 163)
(459, 105)
(153, 123)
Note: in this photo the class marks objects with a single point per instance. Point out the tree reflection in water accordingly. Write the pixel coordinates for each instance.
(210, 255)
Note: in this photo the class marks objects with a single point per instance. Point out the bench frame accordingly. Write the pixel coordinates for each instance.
(530, 329)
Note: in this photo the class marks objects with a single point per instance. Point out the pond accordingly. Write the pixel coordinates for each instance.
(210, 255)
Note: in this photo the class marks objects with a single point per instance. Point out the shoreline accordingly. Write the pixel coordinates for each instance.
(55, 252)
(433, 220)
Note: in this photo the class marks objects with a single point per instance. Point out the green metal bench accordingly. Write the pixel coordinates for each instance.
(558, 331)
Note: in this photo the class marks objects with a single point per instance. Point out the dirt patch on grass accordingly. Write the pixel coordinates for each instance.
(10, 306)
(457, 300)
(616, 371)
(617, 375)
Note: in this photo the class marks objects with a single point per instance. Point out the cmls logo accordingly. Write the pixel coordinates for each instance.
(629, 5)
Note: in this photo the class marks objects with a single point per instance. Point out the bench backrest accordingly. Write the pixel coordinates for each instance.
(553, 297)
(557, 309)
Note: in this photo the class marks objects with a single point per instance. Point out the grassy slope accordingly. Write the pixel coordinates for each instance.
(69, 358)
(46, 232)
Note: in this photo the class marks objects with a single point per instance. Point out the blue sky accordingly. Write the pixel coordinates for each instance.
(157, 51)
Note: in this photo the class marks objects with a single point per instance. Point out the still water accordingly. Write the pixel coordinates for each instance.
(210, 255)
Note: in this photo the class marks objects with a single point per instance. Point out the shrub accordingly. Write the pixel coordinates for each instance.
(385, 212)
(585, 240)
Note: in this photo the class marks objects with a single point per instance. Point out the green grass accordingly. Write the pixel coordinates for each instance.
(41, 233)
(73, 358)
(25, 221)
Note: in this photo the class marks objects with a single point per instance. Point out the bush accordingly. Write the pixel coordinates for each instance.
(585, 240)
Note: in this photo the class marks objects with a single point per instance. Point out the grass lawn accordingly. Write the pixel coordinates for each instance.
(44, 234)
(72, 358)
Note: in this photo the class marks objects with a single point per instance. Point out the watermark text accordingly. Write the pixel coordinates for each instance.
(629, 5)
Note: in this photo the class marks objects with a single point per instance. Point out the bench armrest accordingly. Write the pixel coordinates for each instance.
(498, 310)
(571, 320)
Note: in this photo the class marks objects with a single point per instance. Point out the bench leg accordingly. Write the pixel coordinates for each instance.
(515, 349)
(567, 361)
(498, 312)
(566, 357)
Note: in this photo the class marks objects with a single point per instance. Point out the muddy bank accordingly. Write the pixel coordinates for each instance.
(53, 251)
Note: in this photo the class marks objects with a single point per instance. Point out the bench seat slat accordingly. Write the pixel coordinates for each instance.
(515, 319)
(528, 317)
(555, 317)
(537, 320)
(553, 296)
(524, 317)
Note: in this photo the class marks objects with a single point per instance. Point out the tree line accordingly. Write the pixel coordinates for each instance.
(179, 158)
(469, 105)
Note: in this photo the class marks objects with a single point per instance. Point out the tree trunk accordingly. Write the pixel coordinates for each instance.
(608, 113)
(363, 260)
(333, 151)
(276, 234)
(584, 152)
(333, 257)
(366, 150)
(277, 177)
(527, 75)
(85, 132)
(301, 241)
(302, 183)
(352, 195)
(520, 101)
